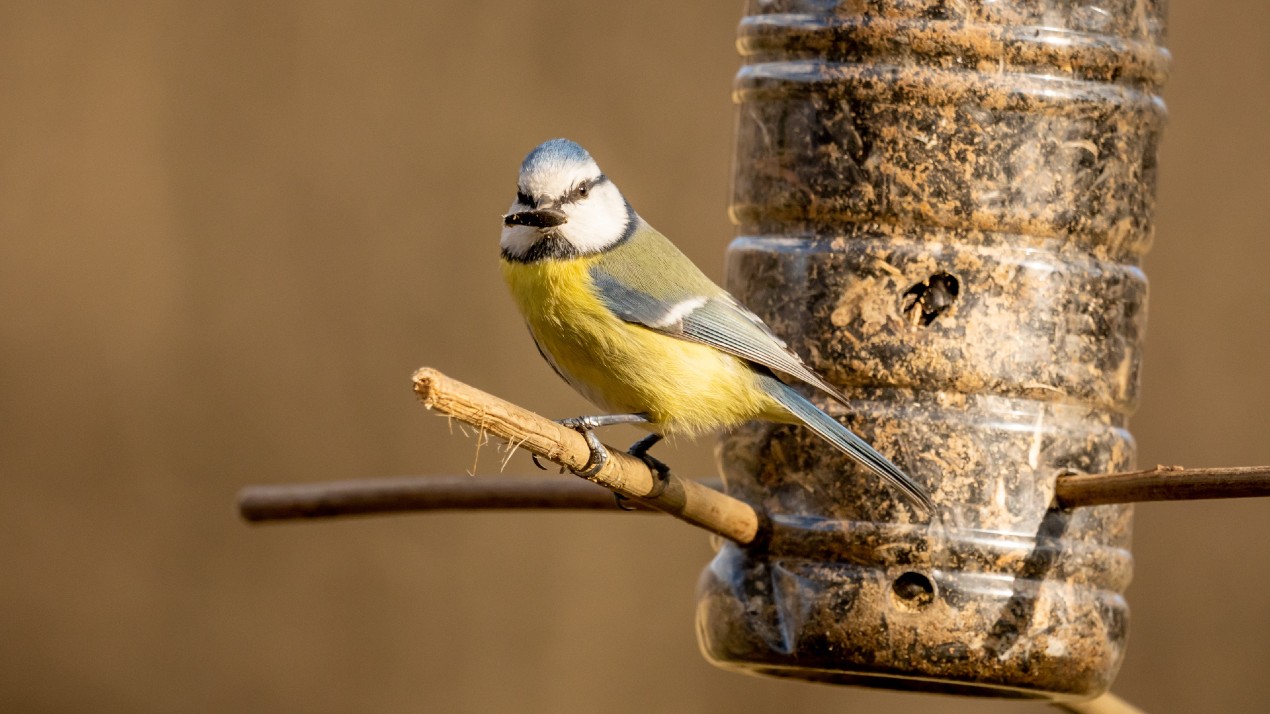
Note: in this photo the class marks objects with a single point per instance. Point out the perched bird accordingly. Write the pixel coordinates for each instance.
(627, 320)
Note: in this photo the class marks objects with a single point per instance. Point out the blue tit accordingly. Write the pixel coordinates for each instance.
(629, 322)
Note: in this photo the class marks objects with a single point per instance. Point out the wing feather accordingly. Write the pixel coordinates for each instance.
(725, 323)
(718, 321)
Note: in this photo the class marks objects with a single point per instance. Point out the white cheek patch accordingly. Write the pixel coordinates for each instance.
(598, 221)
(679, 311)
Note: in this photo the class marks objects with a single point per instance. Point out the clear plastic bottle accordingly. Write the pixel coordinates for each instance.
(942, 208)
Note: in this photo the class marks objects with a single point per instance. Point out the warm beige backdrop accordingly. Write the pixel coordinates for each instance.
(231, 230)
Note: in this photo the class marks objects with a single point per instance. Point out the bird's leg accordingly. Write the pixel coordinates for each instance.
(587, 423)
(586, 426)
(640, 451)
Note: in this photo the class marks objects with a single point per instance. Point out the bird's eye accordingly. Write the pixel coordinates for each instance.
(583, 190)
(523, 199)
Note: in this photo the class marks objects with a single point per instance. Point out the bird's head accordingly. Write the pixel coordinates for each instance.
(565, 206)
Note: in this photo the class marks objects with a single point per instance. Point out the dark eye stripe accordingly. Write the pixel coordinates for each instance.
(523, 199)
(582, 189)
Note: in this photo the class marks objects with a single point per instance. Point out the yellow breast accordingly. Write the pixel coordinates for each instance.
(685, 387)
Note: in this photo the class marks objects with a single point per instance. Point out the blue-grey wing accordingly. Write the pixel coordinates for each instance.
(716, 320)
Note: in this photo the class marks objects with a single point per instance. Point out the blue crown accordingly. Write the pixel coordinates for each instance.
(557, 152)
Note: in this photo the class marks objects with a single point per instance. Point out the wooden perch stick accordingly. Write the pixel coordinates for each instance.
(682, 498)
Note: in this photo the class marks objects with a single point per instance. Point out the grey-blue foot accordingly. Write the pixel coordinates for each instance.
(586, 426)
(640, 451)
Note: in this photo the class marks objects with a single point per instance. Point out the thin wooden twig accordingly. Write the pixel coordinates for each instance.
(1162, 483)
(623, 474)
(423, 493)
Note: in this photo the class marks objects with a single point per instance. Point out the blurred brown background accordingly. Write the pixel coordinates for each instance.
(230, 231)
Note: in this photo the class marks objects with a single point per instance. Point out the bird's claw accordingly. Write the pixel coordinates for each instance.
(660, 471)
(640, 451)
(653, 463)
(585, 425)
(599, 455)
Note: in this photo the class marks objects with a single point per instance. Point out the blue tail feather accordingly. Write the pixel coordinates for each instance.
(829, 429)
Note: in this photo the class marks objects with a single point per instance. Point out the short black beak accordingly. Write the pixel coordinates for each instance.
(537, 218)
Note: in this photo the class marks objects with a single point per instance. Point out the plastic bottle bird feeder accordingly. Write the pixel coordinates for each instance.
(942, 206)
